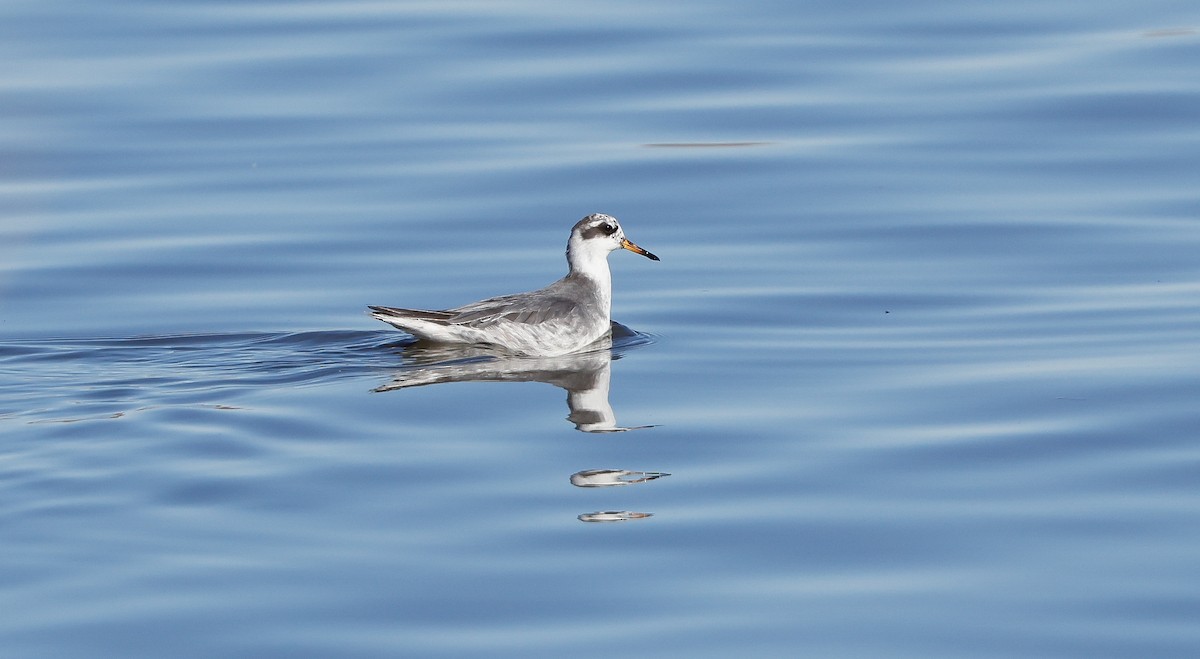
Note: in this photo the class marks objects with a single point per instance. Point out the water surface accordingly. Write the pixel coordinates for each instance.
(916, 375)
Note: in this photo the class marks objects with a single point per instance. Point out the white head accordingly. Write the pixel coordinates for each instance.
(593, 238)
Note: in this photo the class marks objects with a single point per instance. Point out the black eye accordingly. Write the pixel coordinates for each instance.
(608, 229)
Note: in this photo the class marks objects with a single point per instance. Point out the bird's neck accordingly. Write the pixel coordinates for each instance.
(593, 266)
(590, 262)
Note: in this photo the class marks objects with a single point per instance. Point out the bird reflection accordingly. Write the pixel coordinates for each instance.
(585, 376)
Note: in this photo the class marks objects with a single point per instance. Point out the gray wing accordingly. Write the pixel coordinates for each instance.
(526, 308)
(560, 301)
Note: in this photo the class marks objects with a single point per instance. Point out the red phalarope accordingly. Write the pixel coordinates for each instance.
(564, 317)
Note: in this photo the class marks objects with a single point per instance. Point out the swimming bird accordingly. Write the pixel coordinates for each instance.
(564, 317)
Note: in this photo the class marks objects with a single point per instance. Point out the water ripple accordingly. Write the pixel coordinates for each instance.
(109, 378)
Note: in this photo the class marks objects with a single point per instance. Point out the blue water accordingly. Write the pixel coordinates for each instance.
(921, 361)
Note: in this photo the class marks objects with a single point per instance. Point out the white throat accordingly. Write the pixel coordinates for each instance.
(588, 257)
(591, 263)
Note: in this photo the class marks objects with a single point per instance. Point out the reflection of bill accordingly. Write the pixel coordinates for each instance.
(613, 516)
(585, 376)
(612, 477)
